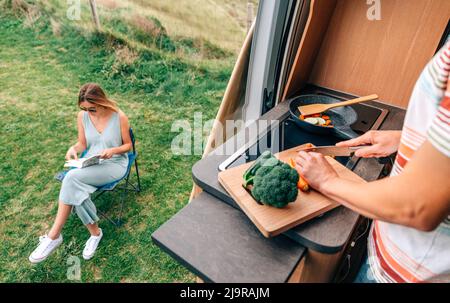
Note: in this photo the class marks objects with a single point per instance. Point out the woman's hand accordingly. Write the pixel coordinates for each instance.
(315, 169)
(382, 143)
(71, 154)
(107, 153)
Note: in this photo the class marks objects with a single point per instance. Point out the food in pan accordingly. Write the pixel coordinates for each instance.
(317, 119)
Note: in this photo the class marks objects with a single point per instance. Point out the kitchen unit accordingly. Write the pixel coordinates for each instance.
(321, 47)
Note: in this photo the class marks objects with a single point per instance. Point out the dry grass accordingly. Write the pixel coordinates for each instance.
(30, 11)
(222, 22)
(20, 5)
(146, 25)
(56, 27)
(109, 4)
(125, 55)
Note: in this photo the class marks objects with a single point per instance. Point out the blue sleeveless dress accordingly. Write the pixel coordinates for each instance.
(80, 183)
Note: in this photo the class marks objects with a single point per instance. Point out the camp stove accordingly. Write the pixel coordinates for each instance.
(287, 134)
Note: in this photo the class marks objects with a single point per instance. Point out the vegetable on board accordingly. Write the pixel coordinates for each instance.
(271, 181)
(301, 184)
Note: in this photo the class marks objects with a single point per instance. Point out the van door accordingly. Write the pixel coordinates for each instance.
(272, 28)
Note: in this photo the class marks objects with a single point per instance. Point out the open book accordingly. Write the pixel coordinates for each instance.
(84, 162)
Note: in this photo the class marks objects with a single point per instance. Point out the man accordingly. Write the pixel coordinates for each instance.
(410, 235)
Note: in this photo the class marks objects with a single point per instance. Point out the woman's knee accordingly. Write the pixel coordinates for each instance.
(71, 176)
(64, 205)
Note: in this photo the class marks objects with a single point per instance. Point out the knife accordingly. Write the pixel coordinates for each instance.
(331, 150)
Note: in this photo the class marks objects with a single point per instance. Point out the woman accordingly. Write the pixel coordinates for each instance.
(410, 235)
(102, 129)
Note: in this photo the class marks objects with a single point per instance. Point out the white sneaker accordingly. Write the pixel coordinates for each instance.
(45, 248)
(91, 246)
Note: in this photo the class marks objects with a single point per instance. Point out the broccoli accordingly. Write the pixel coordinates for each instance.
(271, 181)
(251, 171)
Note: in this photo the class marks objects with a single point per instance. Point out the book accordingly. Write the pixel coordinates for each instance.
(83, 162)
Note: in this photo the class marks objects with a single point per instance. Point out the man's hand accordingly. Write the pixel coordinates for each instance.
(382, 143)
(107, 153)
(315, 169)
(71, 154)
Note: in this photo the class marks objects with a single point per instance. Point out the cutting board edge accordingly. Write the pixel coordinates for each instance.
(279, 230)
(252, 218)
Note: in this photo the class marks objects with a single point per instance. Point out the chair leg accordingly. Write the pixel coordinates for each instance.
(122, 201)
(98, 195)
(137, 174)
(115, 223)
(118, 221)
(128, 186)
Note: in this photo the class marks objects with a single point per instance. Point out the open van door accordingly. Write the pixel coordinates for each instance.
(255, 88)
(272, 28)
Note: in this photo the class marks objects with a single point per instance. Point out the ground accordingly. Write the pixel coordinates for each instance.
(41, 70)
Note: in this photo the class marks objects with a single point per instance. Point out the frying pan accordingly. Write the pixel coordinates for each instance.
(341, 117)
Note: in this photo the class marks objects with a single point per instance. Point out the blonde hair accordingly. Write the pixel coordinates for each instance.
(93, 93)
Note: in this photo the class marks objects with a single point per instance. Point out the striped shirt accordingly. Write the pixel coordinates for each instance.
(399, 253)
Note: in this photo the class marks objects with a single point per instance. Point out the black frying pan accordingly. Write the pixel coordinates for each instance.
(341, 117)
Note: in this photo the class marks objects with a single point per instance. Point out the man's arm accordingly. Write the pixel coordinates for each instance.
(419, 197)
(380, 143)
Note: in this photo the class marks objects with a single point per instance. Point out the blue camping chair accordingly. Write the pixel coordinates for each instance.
(128, 186)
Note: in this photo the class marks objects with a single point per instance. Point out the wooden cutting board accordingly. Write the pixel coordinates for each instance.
(272, 221)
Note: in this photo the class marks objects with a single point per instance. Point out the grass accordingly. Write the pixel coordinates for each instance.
(40, 73)
(221, 23)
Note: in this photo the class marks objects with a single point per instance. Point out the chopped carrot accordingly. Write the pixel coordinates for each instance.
(301, 184)
(325, 117)
(302, 117)
(292, 163)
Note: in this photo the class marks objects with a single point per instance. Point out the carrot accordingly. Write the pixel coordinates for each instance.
(292, 163)
(301, 184)
(327, 122)
(302, 117)
(325, 117)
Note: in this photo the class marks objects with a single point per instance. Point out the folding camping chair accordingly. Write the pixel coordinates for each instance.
(128, 186)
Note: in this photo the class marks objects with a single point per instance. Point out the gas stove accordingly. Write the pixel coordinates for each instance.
(287, 135)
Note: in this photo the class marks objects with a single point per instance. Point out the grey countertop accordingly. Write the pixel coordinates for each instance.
(218, 243)
(325, 234)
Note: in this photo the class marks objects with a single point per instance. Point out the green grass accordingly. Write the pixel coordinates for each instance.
(40, 74)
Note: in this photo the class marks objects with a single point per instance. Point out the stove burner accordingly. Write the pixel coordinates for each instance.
(369, 117)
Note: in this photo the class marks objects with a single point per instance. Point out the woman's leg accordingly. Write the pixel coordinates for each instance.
(61, 218)
(94, 230)
(94, 240)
